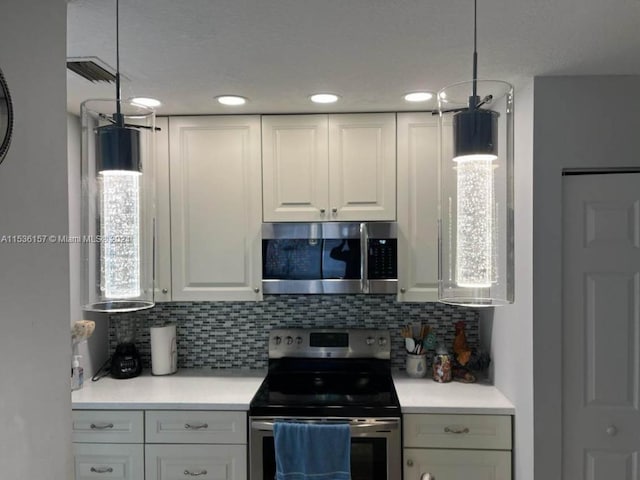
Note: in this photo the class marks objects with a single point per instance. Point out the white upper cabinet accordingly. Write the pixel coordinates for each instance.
(215, 208)
(163, 216)
(338, 167)
(417, 207)
(295, 156)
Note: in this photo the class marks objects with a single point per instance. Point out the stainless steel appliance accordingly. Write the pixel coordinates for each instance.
(330, 376)
(332, 257)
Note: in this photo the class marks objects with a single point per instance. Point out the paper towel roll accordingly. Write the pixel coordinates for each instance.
(164, 353)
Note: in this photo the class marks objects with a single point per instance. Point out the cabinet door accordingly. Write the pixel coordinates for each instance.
(108, 461)
(295, 168)
(362, 167)
(457, 464)
(205, 462)
(163, 215)
(215, 208)
(418, 164)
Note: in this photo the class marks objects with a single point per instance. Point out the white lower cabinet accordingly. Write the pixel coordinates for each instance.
(110, 461)
(219, 462)
(159, 445)
(202, 444)
(457, 447)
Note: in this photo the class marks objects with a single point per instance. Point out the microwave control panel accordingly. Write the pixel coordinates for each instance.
(383, 258)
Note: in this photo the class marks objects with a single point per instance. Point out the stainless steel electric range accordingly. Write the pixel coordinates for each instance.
(336, 375)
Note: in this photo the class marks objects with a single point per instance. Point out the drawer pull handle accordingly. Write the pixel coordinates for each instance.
(101, 426)
(101, 470)
(456, 430)
(195, 474)
(427, 476)
(200, 426)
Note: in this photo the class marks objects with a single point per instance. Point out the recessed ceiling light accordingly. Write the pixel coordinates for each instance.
(324, 98)
(418, 96)
(233, 100)
(146, 102)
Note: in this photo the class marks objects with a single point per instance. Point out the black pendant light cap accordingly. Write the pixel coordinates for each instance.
(475, 132)
(118, 148)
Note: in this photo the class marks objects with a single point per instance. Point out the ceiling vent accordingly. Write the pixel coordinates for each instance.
(91, 68)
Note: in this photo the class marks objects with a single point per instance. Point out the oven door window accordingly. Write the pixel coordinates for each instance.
(368, 459)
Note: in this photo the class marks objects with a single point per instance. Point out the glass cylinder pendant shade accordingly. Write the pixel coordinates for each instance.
(476, 194)
(118, 206)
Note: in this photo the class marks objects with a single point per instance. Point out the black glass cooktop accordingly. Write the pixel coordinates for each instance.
(344, 388)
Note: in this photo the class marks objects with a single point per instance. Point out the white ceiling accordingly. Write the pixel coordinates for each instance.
(370, 52)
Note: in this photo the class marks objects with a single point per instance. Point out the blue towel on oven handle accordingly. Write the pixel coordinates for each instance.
(311, 451)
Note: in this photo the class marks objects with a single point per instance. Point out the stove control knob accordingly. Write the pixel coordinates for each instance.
(371, 341)
(299, 340)
(382, 341)
(277, 340)
(289, 340)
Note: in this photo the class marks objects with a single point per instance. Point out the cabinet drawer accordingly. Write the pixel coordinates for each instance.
(457, 464)
(489, 432)
(102, 426)
(219, 462)
(108, 461)
(196, 427)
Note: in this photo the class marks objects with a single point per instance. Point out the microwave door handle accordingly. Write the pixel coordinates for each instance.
(364, 258)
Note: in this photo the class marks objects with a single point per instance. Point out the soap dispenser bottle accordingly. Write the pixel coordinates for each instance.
(77, 373)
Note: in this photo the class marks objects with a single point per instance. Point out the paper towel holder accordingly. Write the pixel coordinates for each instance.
(164, 351)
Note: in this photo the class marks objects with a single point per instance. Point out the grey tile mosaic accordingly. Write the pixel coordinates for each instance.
(234, 334)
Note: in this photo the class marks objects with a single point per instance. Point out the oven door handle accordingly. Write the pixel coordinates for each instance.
(356, 426)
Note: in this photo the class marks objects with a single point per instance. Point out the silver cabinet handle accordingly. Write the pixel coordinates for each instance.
(334, 210)
(427, 476)
(409, 463)
(195, 474)
(199, 426)
(101, 426)
(165, 290)
(101, 469)
(322, 210)
(612, 430)
(403, 290)
(456, 430)
(257, 290)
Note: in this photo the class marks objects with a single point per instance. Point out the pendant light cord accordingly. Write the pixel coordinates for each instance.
(474, 97)
(119, 118)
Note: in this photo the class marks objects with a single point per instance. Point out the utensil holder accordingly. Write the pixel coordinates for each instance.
(416, 365)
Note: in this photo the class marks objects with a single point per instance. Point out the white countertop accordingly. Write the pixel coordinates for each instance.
(185, 390)
(423, 395)
(234, 389)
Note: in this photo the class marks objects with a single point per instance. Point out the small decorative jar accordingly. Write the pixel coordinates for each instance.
(442, 366)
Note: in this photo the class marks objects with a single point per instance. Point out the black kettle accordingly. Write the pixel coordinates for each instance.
(126, 361)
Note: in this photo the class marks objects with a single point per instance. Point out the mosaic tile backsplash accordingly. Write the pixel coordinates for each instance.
(234, 334)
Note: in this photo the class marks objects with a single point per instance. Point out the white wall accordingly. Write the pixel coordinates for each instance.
(35, 408)
(508, 329)
(579, 122)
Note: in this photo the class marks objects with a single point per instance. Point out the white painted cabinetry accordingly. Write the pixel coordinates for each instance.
(203, 444)
(159, 445)
(338, 167)
(215, 207)
(108, 444)
(163, 215)
(457, 447)
(417, 207)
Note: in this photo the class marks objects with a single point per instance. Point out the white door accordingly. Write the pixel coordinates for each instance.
(601, 327)
(295, 163)
(215, 208)
(362, 167)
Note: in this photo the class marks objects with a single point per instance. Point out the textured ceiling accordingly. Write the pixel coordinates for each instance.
(370, 52)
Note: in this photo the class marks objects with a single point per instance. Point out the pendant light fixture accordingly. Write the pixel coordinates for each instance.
(476, 191)
(118, 202)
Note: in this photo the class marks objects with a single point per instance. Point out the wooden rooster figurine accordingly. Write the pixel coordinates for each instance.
(460, 347)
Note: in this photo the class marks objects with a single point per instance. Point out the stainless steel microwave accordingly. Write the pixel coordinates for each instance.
(329, 258)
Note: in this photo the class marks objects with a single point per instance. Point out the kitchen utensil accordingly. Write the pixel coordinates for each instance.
(410, 344)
